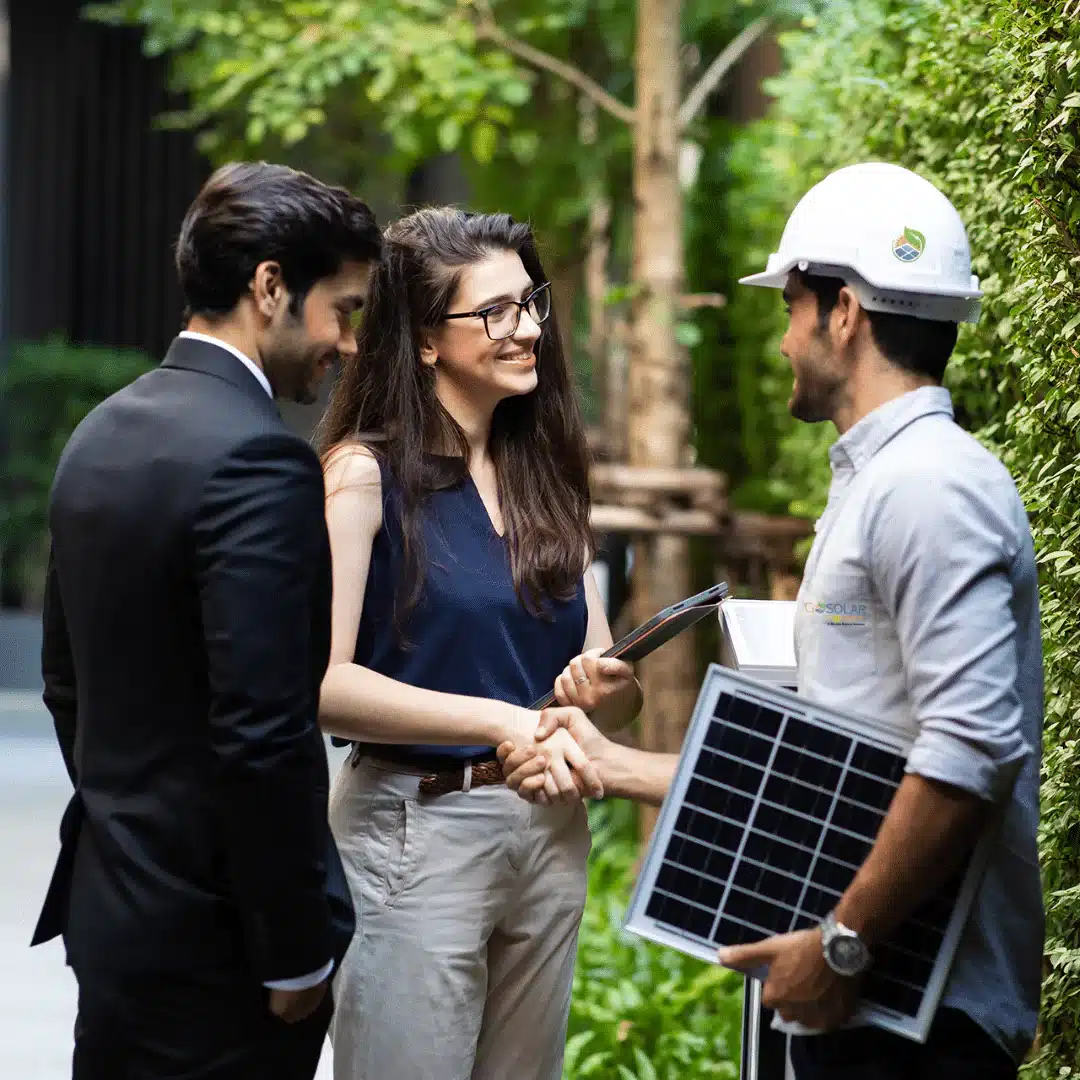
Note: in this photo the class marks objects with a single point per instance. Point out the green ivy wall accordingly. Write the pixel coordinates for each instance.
(983, 98)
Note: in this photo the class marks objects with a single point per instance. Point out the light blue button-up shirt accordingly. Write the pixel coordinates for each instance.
(919, 606)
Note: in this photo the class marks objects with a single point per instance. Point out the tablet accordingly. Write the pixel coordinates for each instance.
(659, 630)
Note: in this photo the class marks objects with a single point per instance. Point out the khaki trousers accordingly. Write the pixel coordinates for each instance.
(467, 911)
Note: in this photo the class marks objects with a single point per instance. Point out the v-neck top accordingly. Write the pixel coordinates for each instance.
(469, 633)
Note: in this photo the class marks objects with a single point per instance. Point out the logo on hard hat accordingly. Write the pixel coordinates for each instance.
(909, 246)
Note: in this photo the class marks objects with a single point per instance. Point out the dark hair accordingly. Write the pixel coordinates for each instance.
(385, 398)
(921, 346)
(251, 212)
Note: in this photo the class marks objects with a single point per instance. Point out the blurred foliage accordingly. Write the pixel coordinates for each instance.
(280, 61)
(362, 93)
(982, 97)
(48, 388)
(641, 1011)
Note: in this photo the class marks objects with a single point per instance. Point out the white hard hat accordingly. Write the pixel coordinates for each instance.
(890, 235)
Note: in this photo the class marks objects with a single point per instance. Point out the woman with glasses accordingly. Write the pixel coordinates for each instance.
(458, 511)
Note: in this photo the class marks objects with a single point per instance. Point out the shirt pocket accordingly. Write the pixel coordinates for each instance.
(841, 616)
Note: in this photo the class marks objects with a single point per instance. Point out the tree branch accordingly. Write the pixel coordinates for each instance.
(489, 30)
(732, 54)
(689, 301)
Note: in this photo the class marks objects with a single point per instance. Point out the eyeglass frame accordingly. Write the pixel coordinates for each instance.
(521, 305)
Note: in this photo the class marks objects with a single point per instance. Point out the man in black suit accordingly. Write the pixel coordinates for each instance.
(186, 632)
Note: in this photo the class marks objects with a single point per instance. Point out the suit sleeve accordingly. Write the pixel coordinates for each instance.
(58, 669)
(260, 537)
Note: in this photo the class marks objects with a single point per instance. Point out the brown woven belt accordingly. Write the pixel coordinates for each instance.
(438, 781)
(463, 778)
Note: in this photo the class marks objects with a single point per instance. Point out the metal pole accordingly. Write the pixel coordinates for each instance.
(764, 1051)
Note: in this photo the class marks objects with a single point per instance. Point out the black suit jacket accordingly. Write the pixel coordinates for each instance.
(186, 632)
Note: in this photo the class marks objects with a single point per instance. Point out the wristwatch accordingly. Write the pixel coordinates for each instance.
(844, 951)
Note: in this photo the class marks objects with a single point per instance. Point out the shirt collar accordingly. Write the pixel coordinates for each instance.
(250, 364)
(863, 440)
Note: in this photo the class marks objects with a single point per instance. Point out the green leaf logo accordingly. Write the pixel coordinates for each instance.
(915, 239)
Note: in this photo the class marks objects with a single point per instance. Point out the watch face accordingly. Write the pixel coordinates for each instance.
(847, 953)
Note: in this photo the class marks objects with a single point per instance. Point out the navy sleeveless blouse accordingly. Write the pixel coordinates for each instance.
(469, 633)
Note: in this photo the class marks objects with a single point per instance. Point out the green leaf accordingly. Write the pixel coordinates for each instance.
(382, 84)
(688, 334)
(621, 294)
(645, 1068)
(524, 145)
(515, 92)
(449, 134)
(294, 131)
(915, 239)
(485, 140)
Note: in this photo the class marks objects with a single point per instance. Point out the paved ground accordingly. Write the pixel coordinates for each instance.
(37, 991)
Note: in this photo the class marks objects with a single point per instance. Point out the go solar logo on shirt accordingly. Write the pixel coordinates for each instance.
(839, 613)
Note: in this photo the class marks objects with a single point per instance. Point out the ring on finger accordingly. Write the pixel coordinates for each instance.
(583, 679)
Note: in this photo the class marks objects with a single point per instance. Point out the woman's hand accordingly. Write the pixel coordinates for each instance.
(569, 774)
(525, 766)
(591, 679)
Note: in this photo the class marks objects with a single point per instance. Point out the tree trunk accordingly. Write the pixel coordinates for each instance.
(659, 416)
(596, 287)
(597, 248)
(565, 277)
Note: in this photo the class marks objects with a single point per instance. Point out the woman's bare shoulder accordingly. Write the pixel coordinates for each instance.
(352, 465)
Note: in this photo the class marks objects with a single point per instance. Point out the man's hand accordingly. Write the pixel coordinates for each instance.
(526, 767)
(591, 679)
(800, 985)
(292, 1006)
(570, 775)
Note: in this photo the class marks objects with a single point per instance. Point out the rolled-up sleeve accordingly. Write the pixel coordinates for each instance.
(942, 551)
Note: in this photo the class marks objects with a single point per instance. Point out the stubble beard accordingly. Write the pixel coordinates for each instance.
(814, 394)
(811, 402)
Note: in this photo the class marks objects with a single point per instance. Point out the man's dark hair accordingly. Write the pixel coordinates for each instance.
(252, 212)
(921, 346)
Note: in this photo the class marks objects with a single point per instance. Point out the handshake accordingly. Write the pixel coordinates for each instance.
(566, 760)
(563, 758)
(567, 756)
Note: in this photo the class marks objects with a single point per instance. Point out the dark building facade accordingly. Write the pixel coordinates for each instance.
(94, 193)
(91, 198)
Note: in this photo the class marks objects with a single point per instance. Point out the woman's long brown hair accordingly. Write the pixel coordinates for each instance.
(384, 398)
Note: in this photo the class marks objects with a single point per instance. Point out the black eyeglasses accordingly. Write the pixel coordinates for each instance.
(501, 320)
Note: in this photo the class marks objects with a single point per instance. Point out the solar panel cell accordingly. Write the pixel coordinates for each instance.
(802, 798)
(848, 850)
(855, 818)
(730, 932)
(776, 821)
(738, 743)
(773, 851)
(747, 714)
(872, 792)
(727, 801)
(796, 765)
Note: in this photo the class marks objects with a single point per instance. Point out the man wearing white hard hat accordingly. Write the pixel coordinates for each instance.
(925, 534)
(925, 538)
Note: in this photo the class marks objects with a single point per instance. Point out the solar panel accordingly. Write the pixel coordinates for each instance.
(774, 806)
